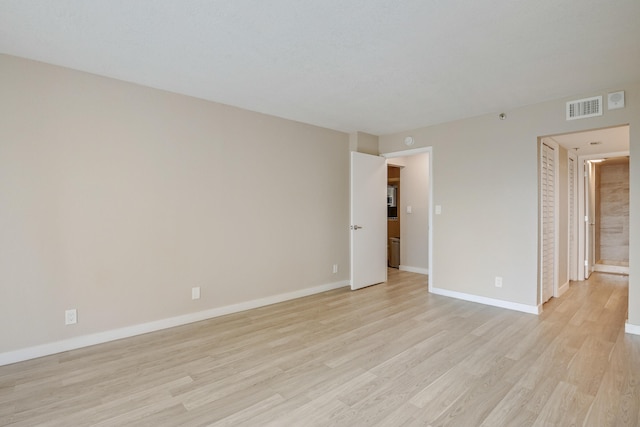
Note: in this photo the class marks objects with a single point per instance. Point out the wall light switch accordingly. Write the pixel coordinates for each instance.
(408, 209)
(438, 209)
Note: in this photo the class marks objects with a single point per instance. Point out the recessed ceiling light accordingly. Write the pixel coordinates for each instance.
(595, 143)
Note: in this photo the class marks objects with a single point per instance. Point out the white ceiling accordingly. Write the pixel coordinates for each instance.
(378, 66)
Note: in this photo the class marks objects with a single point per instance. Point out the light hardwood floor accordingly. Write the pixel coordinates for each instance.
(391, 355)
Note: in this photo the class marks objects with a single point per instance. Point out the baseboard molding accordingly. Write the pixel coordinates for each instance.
(632, 329)
(414, 269)
(531, 309)
(562, 289)
(144, 328)
(615, 269)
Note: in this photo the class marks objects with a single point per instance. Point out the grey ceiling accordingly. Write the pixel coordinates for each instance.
(365, 65)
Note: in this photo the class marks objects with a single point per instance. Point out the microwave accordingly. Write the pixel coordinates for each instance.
(391, 196)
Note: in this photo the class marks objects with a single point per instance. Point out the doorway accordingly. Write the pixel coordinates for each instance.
(412, 225)
(611, 219)
(368, 234)
(580, 222)
(393, 219)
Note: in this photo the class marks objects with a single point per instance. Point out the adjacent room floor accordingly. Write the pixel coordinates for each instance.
(391, 354)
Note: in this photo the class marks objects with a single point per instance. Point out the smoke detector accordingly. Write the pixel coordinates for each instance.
(615, 100)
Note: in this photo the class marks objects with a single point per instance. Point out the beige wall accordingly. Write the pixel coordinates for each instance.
(363, 142)
(116, 199)
(485, 177)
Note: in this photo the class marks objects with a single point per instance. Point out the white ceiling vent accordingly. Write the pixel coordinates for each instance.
(583, 108)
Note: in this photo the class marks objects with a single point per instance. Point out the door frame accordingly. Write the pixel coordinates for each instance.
(572, 258)
(412, 152)
(583, 238)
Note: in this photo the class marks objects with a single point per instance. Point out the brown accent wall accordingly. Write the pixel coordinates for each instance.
(612, 228)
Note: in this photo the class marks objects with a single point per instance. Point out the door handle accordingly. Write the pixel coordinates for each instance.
(355, 227)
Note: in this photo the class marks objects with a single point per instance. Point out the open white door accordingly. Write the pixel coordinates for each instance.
(368, 220)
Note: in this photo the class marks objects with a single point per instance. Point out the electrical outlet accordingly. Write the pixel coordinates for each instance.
(335, 268)
(71, 317)
(195, 292)
(498, 282)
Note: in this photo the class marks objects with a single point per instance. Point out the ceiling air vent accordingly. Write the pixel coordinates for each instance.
(583, 108)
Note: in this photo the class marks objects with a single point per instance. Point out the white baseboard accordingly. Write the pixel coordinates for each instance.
(562, 289)
(531, 309)
(615, 269)
(414, 269)
(632, 329)
(143, 328)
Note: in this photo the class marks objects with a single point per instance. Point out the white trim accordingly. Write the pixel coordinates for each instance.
(615, 269)
(531, 309)
(406, 153)
(605, 155)
(410, 269)
(143, 328)
(631, 328)
(562, 289)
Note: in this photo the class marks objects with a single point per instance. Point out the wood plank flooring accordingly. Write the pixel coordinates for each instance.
(388, 355)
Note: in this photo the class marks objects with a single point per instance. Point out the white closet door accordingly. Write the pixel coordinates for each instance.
(548, 196)
(573, 235)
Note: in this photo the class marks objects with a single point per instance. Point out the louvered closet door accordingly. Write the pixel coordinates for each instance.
(548, 196)
(573, 274)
